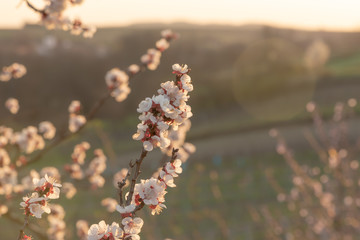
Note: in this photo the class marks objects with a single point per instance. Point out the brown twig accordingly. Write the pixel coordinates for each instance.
(26, 222)
(34, 8)
(135, 175)
(139, 207)
(122, 184)
(174, 155)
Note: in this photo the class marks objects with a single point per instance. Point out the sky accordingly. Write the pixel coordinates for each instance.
(306, 14)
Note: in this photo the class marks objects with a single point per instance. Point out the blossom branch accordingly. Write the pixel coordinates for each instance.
(167, 110)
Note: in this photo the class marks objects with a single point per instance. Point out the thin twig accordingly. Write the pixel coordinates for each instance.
(139, 207)
(135, 175)
(122, 184)
(34, 8)
(26, 222)
(174, 155)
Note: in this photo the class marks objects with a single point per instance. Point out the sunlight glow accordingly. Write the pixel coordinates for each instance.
(308, 14)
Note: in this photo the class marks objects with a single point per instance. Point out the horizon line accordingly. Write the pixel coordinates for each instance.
(223, 24)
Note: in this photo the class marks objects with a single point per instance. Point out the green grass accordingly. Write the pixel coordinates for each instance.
(345, 67)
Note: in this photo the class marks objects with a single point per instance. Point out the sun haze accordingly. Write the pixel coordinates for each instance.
(308, 14)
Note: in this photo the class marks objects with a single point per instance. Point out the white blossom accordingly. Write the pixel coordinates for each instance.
(151, 59)
(69, 190)
(28, 139)
(76, 122)
(116, 78)
(47, 129)
(151, 192)
(104, 231)
(132, 225)
(74, 106)
(35, 205)
(162, 44)
(134, 69)
(47, 186)
(82, 228)
(145, 105)
(79, 153)
(180, 69)
(125, 211)
(12, 104)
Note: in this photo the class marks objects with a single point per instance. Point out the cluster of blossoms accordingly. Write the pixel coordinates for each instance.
(27, 141)
(27, 182)
(76, 120)
(52, 16)
(130, 229)
(151, 59)
(15, 70)
(118, 83)
(96, 166)
(177, 138)
(37, 203)
(152, 191)
(166, 109)
(117, 80)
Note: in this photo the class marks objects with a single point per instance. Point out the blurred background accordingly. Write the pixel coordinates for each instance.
(255, 67)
